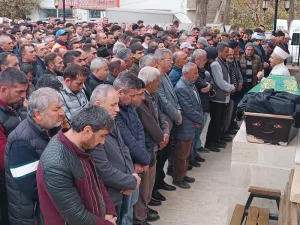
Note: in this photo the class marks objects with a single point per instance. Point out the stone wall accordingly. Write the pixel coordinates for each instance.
(261, 165)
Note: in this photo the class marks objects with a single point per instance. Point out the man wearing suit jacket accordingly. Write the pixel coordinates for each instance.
(172, 113)
(156, 137)
(113, 161)
(192, 118)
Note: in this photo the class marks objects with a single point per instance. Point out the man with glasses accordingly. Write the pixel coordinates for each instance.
(72, 95)
(172, 113)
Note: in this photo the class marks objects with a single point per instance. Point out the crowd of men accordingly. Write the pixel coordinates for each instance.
(91, 113)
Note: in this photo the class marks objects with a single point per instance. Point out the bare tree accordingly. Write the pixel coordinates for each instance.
(201, 13)
(291, 13)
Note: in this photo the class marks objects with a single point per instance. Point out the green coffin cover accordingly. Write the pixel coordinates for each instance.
(279, 83)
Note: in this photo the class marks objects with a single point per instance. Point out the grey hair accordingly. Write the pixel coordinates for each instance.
(146, 61)
(3, 39)
(187, 67)
(124, 53)
(160, 53)
(148, 74)
(118, 46)
(97, 63)
(41, 99)
(176, 57)
(222, 45)
(197, 54)
(128, 81)
(47, 38)
(100, 92)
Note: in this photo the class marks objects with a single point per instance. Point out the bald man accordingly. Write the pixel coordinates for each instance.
(179, 59)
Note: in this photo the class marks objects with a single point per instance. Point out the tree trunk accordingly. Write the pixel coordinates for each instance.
(201, 13)
(291, 13)
(226, 12)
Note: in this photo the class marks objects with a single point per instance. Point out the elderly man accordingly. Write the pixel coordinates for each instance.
(72, 95)
(99, 73)
(251, 67)
(66, 171)
(6, 44)
(203, 86)
(201, 43)
(126, 55)
(186, 48)
(156, 136)
(23, 150)
(113, 160)
(173, 115)
(277, 62)
(115, 67)
(15, 81)
(192, 118)
(132, 130)
(223, 89)
(41, 51)
(179, 59)
(147, 60)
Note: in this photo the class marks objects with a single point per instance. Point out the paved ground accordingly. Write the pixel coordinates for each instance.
(206, 202)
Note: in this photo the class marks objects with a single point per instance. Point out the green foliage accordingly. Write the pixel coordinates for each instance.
(249, 13)
(16, 9)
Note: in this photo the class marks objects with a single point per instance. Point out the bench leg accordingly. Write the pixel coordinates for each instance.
(247, 206)
(278, 202)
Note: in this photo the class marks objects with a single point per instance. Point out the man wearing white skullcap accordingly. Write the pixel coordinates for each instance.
(277, 62)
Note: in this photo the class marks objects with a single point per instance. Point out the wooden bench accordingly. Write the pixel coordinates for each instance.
(288, 213)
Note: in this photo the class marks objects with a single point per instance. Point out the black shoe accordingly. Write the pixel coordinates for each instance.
(222, 142)
(189, 179)
(167, 187)
(190, 167)
(232, 132)
(226, 139)
(227, 136)
(212, 148)
(194, 163)
(158, 196)
(151, 217)
(203, 150)
(198, 158)
(236, 127)
(152, 210)
(154, 202)
(169, 172)
(181, 184)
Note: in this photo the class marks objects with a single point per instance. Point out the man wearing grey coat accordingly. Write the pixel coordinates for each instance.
(113, 161)
(192, 118)
(172, 113)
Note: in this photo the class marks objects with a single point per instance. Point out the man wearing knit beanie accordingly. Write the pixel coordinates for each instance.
(251, 67)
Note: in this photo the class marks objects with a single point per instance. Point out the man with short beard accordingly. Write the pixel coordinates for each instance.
(13, 86)
(72, 95)
(251, 65)
(23, 150)
(69, 189)
(54, 64)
